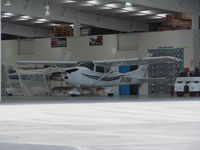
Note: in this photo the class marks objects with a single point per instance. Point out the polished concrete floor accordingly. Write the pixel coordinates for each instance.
(100, 123)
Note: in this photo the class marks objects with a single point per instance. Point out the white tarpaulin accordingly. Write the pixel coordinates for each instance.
(33, 83)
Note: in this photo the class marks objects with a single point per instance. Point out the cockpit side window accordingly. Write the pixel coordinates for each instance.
(10, 70)
(100, 69)
(108, 69)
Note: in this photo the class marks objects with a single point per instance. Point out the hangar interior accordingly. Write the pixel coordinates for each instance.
(112, 47)
(87, 30)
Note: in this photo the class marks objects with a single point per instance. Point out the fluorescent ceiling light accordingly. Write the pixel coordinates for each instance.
(95, 2)
(4, 16)
(8, 14)
(69, 1)
(54, 24)
(161, 15)
(21, 19)
(156, 17)
(71, 25)
(112, 5)
(149, 12)
(25, 17)
(42, 20)
(130, 8)
(104, 7)
(138, 14)
(7, 3)
(88, 4)
(38, 22)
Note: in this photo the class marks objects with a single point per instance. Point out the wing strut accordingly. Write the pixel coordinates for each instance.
(107, 73)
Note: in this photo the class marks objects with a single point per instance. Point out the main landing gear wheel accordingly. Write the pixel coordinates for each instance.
(192, 94)
(74, 93)
(110, 94)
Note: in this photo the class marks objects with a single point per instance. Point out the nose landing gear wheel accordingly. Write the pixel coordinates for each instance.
(110, 94)
(74, 95)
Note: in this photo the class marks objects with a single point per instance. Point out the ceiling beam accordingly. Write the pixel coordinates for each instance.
(37, 9)
(25, 31)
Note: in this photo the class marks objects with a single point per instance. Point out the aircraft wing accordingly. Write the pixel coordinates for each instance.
(138, 61)
(153, 79)
(47, 62)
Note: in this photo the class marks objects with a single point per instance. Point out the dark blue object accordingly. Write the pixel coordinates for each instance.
(125, 89)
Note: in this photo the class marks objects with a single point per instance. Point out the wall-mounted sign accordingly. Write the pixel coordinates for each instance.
(96, 40)
(58, 42)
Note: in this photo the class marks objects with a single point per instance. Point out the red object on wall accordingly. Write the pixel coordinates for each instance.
(186, 70)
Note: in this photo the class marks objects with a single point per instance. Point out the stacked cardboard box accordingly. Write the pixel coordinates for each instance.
(177, 22)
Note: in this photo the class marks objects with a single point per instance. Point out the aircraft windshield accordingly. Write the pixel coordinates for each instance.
(87, 64)
(90, 65)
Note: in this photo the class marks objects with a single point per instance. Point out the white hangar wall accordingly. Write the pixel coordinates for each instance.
(140, 42)
(79, 46)
(114, 46)
(176, 39)
(39, 49)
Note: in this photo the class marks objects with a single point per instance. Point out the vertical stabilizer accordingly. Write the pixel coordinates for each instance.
(64, 56)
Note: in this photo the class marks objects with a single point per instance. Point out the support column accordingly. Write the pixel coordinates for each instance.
(77, 23)
(195, 21)
(0, 56)
(195, 28)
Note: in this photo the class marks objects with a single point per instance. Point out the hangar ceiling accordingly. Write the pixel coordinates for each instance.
(115, 8)
(104, 7)
(109, 14)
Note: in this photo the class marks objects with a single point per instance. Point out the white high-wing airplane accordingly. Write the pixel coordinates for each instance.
(14, 78)
(98, 74)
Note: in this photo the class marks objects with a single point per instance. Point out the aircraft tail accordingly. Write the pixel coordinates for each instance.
(141, 75)
(64, 56)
